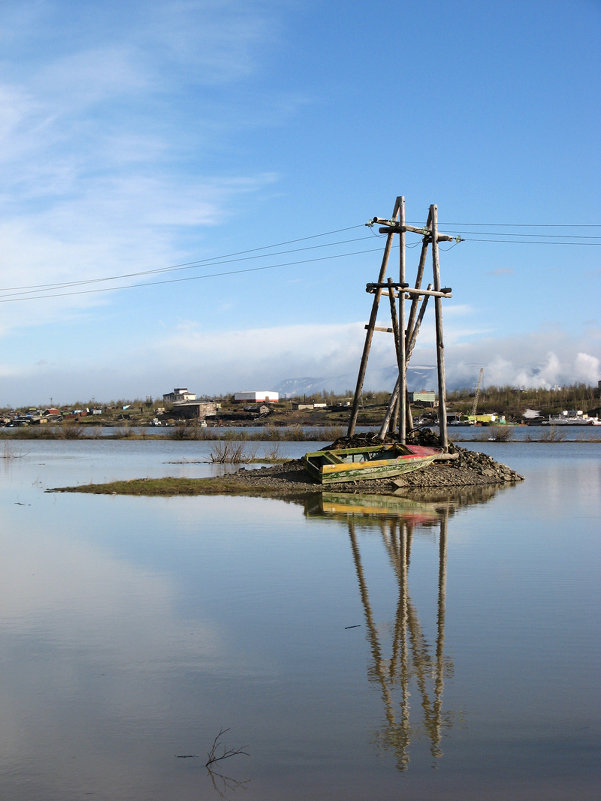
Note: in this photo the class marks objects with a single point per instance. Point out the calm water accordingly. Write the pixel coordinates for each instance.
(414, 649)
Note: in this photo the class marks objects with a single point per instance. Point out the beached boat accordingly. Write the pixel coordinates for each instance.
(369, 462)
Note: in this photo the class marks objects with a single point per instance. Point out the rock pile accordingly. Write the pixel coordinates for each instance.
(467, 469)
(470, 468)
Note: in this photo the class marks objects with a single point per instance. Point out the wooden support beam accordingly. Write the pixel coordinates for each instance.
(442, 401)
(411, 338)
(413, 332)
(392, 405)
(373, 287)
(381, 328)
(418, 279)
(399, 346)
(439, 237)
(396, 226)
(400, 332)
(370, 330)
(445, 292)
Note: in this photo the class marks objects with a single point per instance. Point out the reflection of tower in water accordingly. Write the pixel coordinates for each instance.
(411, 656)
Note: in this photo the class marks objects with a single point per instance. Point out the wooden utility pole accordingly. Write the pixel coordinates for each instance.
(442, 389)
(371, 327)
(405, 332)
(401, 332)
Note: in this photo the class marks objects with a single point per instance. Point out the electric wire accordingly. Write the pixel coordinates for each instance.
(215, 261)
(533, 242)
(15, 299)
(223, 259)
(549, 239)
(51, 290)
(518, 225)
(515, 233)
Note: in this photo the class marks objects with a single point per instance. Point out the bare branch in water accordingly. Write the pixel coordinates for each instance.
(219, 750)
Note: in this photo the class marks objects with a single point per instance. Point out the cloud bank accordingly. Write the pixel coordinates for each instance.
(220, 362)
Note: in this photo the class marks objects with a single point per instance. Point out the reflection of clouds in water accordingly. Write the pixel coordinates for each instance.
(241, 510)
(96, 665)
(68, 591)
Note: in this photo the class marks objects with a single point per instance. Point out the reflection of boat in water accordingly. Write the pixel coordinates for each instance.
(344, 505)
(370, 462)
(410, 505)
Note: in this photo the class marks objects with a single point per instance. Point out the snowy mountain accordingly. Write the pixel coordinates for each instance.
(377, 380)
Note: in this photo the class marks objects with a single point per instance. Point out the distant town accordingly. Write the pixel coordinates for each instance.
(578, 404)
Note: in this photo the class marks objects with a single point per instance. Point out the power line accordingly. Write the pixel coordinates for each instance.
(50, 290)
(519, 225)
(223, 259)
(547, 236)
(534, 242)
(15, 299)
(525, 239)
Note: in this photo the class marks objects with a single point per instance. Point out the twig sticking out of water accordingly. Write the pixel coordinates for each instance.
(228, 453)
(219, 751)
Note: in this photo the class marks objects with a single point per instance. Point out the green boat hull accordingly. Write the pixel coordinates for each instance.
(343, 465)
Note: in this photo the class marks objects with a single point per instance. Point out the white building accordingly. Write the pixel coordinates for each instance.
(262, 396)
(179, 395)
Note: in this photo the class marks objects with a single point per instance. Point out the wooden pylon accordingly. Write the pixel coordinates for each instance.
(405, 333)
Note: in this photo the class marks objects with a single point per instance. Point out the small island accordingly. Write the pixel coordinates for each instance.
(290, 478)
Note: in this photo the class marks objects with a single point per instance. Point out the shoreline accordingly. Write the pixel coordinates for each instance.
(290, 480)
(280, 434)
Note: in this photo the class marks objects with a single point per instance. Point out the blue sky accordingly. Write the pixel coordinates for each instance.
(138, 136)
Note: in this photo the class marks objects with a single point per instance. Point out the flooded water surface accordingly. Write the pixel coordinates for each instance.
(352, 648)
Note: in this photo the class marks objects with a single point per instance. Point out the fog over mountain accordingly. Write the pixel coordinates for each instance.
(378, 379)
(302, 359)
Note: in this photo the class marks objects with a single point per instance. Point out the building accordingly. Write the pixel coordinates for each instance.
(194, 410)
(179, 395)
(486, 419)
(262, 396)
(423, 398)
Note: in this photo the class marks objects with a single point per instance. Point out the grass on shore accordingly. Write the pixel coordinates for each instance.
(270, 433)
(168, 487)
(294, 433)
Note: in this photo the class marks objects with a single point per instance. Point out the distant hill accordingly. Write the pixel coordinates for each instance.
(377, 380)
(297, 387)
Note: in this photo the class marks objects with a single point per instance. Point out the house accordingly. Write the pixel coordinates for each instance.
(179, 395)
(423, 398)
(262, 396)
(194, 410)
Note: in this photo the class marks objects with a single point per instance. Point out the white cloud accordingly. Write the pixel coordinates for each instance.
(79, 80)
(221, 361)
(542, 358)
(217, 41)
(99, 172)
(587, 368)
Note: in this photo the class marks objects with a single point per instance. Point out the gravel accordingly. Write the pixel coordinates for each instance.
(468, 469)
